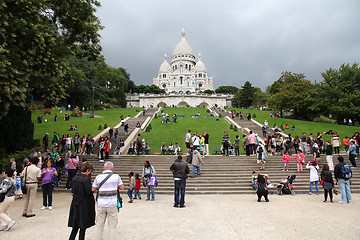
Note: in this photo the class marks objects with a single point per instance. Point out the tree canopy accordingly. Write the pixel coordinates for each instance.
(245, 96)
(227, 89)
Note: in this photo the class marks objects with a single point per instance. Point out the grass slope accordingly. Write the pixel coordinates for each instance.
(176, 132)
(301, 126)
(86, 125)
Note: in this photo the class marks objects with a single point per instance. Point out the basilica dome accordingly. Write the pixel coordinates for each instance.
(165, 66)
(200, 66)
(183, 47)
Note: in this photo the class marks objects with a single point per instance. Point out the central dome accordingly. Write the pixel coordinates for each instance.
(183, 47)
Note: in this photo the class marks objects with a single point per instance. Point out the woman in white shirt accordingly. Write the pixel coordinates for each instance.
(314, 176)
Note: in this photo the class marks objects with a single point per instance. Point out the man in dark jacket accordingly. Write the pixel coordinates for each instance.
(344, 184)
(180, 172)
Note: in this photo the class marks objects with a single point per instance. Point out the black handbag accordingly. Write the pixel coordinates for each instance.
(23, 185)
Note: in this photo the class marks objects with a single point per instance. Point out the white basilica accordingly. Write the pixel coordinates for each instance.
(184, 74)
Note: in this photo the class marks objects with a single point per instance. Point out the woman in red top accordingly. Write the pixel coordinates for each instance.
(107, 147)
(137, 186)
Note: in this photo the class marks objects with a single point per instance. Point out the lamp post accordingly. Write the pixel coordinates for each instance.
(93, 102)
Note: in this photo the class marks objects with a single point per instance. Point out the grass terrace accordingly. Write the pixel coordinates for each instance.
(162, 132)
(85, 124)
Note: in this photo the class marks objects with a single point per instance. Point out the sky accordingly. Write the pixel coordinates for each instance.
(252, 40)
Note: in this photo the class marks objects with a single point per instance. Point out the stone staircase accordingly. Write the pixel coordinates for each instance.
(220, 175)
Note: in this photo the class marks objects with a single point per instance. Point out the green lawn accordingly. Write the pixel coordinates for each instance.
(176, 132)
(302, 126)
(85, 124)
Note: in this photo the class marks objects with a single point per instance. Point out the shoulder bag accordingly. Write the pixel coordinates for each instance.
(23, 185)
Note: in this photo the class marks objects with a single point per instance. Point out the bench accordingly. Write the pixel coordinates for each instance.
(180, 115)
(216, 150)
(168, 151)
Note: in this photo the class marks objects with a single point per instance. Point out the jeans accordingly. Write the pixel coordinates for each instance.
(47, 190)
(226, 149)
(193, 171)
(179, 189)
(116, 138)
(71, 175)
(352, 160)
(345, 191)
(152, 192)
(130, 193)
(317, 186)
(77, 147)
(237, 151)
(137, 194)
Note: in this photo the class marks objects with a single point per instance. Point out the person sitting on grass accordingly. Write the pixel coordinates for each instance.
(131, 148)
(163, 148)
(146, 149)
(176, 148)
(293, 127)
(171, 148)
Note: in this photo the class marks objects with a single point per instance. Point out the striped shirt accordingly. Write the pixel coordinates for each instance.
(107, 196)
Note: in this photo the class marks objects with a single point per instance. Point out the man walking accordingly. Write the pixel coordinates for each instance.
(107, 185)
(252, 140)
(225, 143)
(344, 183)
(187, 141)
(303, 143)
(206, 136)
(180, 172)
(352, 153)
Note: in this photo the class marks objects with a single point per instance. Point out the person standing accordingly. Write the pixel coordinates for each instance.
(47, 186)
(116, 134)
(314, 176)
(138, 144)
(246, 145)
(107, 148)
(73, 163)
(329, 155)
(252, 140)
(187, 141)
(237, 145)
(303, 143)
(196, 162)
(8, 187)
(77, 142)
(147, 173)
(126, 129)
(46, 142)
(82, 208)
(195, 140)
(107, 185)
(225, 142)
(180, 172)
(206, 136)
(352, 153)
(335, 141)
(328, 182)
(31, 174)
(344, 183)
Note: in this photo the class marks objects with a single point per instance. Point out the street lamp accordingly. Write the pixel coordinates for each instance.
(93, 102)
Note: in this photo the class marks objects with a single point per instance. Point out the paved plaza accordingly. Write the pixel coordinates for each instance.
(205, 217)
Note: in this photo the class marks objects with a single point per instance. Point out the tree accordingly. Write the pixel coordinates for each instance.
(245, 96)
(227, 90)
(208, 91)
(297, 95)
(342, 91)
(260, 97)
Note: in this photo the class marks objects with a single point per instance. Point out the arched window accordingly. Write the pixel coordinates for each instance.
(186, 66)
(189, 67)
(200, 85)
(181, 78)
(164, 86)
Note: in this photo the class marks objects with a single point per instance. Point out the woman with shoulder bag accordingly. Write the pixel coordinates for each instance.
(7, 190)
(148, 172)
(49, 175)
(327, 182)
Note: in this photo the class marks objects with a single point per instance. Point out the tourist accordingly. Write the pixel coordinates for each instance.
(252, 140)
(314, 176)
(335, 141)
(73, 163)
(147, 173)
(171, 148)
(346, 143)
(107, 148)
(344, 183)
(327, 182)
(126, 129)
(296, 143)
(41, 160)
(7, 187)
(89, 144)
(329, 157)
(246, 145)
(262, 189)
(54, 153)
(111, 132)
(206, 136)
(225, 144)
(196, 162)
(131, 186)
(116, 150)
(137, 187)
(77, 142)
(46, 142)
(176, 148)
(202, 144)
(55, 140)
(138, 144)
(63, 143)
(180, 172)
(352, 153)
(83, 144)
(59, 165)
(187, 141)
(55, 117)
(138, 124)
(300, 160)
(237, 145)
(82, 208)
(31, 175)
(146, 148)
(107, 185)
(47, 183)
(69, 141)
(286, 160)
(261, 156)
(116, 136)
(316, 150)
(303, 143)
(33, 154)
(163, 148)
(131, 148)
(101, 142)
(195, 140)
(253, 180)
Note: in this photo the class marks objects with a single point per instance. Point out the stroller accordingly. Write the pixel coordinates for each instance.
(285, 186)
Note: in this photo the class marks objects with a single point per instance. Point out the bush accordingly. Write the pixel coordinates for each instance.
(235, 129)
(156, 116)
(220, 115)
(76, 112)
(207, 110)
(105, 126)
(100, 127)
(231, 126)
(47, 111)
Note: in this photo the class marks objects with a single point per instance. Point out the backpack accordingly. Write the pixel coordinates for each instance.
(346, 172)
(189, 158)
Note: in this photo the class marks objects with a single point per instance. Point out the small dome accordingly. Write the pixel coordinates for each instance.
(200, 66)
(165, 66)
(183, 47)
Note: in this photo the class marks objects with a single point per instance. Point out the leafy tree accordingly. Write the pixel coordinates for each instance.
(208, 91)
(342, 91)
(245, 96)
(260, 97)
(227, 89)
(297, 95)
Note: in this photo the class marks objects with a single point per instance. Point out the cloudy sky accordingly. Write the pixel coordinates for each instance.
(252, 40)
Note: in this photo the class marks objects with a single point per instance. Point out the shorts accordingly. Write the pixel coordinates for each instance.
(286, 164)
(187, 144)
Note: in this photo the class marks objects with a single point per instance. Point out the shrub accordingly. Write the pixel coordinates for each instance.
(156, 116)
(235, 129)
(100, 127)
(76, 112)
(47, 111)
(231, 126)
(220, 115)
(207, 110)
(105, 125)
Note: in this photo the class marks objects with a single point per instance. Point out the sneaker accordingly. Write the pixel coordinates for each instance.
(9, 226)
(50, 207)
(309, 193)
(130, 201)
(341, 202)
(101, 161)
(43, 208)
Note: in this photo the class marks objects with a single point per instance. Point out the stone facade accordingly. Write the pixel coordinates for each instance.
(184, 75)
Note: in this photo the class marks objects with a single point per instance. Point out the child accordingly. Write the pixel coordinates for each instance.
(163, 148)
(253, 180)
(286, 159)
(137, 186)
(202, 145)
(131, 186)
(300, 160)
